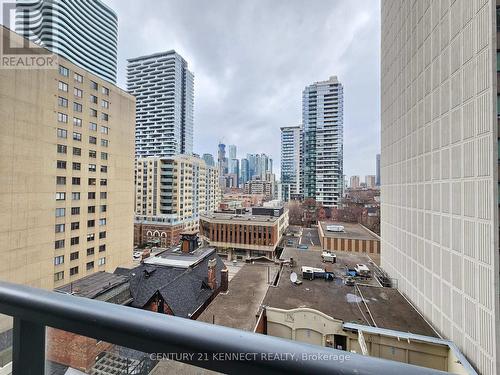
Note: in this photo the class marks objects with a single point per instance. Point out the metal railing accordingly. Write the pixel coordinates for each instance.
(201, 344)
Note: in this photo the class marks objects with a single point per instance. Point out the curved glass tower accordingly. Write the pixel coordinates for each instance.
(84, 32)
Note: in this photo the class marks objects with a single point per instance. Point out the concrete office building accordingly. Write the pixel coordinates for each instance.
(370, 181)
(84, 32)
(354, 182)
(164, 89)
(291, 147)
(439, 166)
(66, 157)
(171, 194)
(323, 122)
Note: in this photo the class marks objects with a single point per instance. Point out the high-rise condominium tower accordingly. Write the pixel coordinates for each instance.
(84, 32)
(439, 167)
(322, 116)
(67, 174)
(291, 146)
(164, 90)
(231, 150)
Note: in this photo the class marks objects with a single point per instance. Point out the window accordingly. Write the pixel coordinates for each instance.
(102, 235)
(59, 276)
(77, 136)
(90, 265)
(62, 133)
(92, 140)
(92, 167)
(101, 261)
(104, 195)
(103, 208)
(78, 93)
(103, 182)
(75, 196)
(60, 212)
(62, 117)
(59, 228)
(77, 121)
(75, 210)
(63, 86)
(90, 237)
(60, 180)
(104, 116)
(90, 223)
(91, 195)
(61, 196)
(102, 222)
(104, 142)
(77, 151)
(104, 168)
(62, 149)
(75, 240)
(59, 244)
(102, 248)
(93, 112)
(58, 260)
(74, 256)
(91, 181)
(63, 71)
(77, 166)
(93, 99)
(92, 154)
(104, 155)
(105, 90)
(91, 209)
(104, 104)
(75, 225)
(62, 102)
(93, 126)
(78, 78)
(75, 181)
(90, 251)
(77, 107)
(73, 271)
(93, 85)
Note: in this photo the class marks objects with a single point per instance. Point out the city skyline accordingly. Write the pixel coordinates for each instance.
(226, 96)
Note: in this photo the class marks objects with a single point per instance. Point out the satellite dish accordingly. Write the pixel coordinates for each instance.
(293, 277)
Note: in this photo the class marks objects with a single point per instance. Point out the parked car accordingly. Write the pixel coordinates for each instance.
(327, 256)
(362, 270)
(137, 255)
(303, 247)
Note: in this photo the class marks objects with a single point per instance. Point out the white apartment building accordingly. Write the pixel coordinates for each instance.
(322, 118)
(164, 91)
(291, 146)
(439, 167)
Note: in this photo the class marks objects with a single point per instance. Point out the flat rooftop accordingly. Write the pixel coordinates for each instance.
(239, 217)
(353, 304)
(351, 230)
(174, 257)
(93, 285)
(239, 306)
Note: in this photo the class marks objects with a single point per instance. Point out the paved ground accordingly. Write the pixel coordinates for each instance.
(232, 268)
(239, 306)
(310, 237)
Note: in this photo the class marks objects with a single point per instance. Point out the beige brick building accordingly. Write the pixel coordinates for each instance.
(66, 174)
(171, 193)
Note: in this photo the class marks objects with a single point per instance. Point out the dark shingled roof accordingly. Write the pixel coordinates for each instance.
(93, 285)
(183, 289)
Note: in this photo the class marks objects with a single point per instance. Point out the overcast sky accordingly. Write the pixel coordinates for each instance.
(252, 59)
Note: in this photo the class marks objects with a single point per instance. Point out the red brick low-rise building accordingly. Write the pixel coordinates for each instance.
(164, 235)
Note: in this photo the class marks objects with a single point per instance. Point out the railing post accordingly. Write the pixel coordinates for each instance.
(28, 341)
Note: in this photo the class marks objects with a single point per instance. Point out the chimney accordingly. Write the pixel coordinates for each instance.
(212, 277)
(224, 280)
(189, 242)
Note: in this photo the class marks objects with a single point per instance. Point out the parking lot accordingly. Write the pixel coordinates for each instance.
(310, 237)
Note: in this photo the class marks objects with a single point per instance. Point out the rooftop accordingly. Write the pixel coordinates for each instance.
(237, 217)
(174, 257)
(239, 306)
(365, 303)
(351, 230)
(93, 285)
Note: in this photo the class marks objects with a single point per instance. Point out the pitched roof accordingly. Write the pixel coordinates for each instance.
(183, 289)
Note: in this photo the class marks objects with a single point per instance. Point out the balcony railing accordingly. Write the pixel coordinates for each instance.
(212, 347)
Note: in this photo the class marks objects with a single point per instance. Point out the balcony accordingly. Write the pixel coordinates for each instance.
(200, 344)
